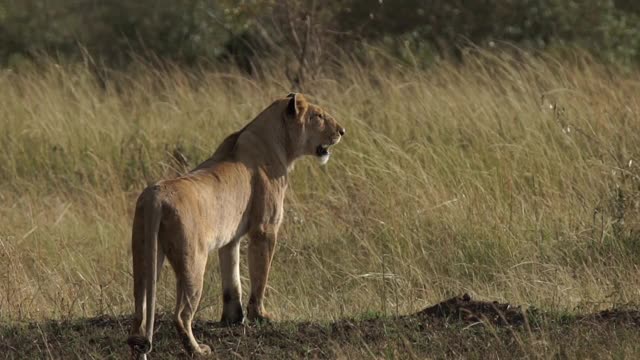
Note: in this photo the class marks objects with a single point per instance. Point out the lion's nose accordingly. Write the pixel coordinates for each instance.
(341, 131)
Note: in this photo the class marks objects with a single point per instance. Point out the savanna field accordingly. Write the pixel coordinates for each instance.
(512, 178)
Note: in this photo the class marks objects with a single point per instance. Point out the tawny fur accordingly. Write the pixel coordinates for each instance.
(238, 191)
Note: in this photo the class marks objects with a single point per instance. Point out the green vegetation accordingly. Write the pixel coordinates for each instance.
(200, 32)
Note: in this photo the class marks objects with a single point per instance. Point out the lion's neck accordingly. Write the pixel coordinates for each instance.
(265, 147)
(262, 144)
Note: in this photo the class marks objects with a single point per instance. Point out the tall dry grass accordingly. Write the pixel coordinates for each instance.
(512, 177)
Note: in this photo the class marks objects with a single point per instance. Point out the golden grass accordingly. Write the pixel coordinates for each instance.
(512, 178)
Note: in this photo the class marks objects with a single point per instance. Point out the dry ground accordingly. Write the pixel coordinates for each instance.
(456, 328)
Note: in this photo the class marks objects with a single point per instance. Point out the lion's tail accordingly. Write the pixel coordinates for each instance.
(152, 218)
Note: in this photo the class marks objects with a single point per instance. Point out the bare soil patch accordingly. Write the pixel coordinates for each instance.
(454, 328)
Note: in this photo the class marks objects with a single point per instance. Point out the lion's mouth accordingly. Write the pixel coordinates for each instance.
(323, 150)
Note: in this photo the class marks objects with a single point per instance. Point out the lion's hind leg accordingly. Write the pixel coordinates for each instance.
(189, 278)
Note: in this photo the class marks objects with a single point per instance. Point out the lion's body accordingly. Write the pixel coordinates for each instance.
(238, 191)
(211, 206)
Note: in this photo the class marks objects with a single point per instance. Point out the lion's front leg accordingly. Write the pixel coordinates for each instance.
(261, 248)
(231, 287)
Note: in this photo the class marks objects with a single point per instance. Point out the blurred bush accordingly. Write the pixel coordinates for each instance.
(196, 32)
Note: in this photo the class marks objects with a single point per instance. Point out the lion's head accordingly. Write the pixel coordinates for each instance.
(311, 128)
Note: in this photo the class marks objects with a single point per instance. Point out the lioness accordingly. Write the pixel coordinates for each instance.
(238, 191)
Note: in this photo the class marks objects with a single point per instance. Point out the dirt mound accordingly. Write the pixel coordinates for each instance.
(463, 308)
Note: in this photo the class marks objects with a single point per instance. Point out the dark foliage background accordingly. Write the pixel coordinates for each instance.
(196, 32)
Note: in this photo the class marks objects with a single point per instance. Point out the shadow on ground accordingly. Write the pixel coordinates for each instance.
(456, 328)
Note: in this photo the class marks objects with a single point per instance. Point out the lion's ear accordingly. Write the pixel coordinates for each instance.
(297, 105)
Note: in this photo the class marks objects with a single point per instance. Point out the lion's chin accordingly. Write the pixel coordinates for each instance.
(323, 154)
(323, 159)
